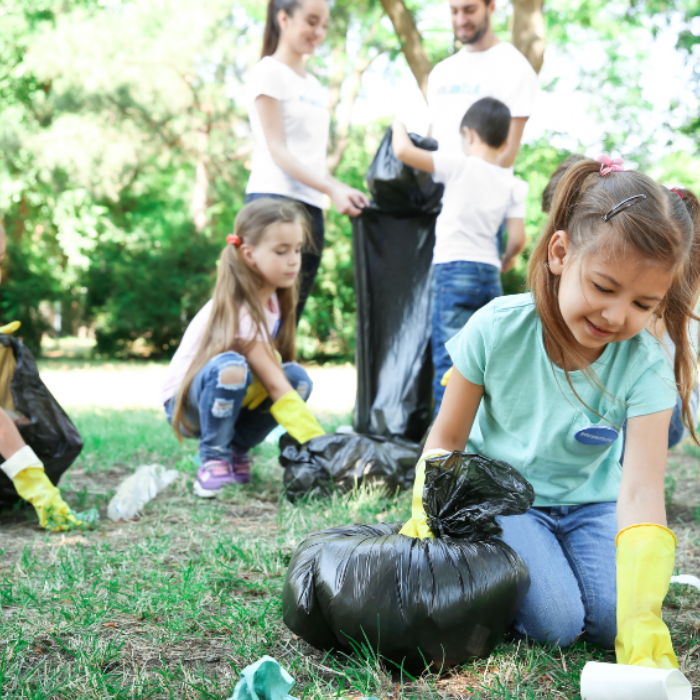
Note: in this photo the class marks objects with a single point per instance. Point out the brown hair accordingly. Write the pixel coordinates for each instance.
(548, 193)
(664, 227)
(237, 284)
(271, 38)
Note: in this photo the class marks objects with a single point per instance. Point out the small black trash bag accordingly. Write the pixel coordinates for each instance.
(337, 462)
(42, 423)
(417, 602)
(399, 189)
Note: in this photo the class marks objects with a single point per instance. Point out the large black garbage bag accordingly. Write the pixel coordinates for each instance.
(44, 426)
(393, 259)
(399, 189)
(338, 462)
(417, 602)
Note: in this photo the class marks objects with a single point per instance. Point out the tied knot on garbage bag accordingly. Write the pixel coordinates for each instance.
(464, 493)
(417, 602)
(399, 189)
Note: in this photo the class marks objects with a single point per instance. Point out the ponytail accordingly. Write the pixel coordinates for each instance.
(682, 299)
(271, 38)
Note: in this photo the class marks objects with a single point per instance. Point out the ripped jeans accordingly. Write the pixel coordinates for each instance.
(216, 411)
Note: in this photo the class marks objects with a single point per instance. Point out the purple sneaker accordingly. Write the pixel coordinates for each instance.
(212, 476)
(241, 468)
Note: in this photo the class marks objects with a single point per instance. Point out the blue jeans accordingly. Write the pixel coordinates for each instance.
(459, 289)
(216, 412)
(570, 552)
(311, 255)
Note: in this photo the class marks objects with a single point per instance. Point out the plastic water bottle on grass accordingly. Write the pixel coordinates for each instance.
(138, 489)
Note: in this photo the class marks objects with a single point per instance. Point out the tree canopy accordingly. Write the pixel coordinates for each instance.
(126, 144)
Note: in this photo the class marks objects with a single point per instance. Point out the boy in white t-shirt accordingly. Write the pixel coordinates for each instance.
(479, 195)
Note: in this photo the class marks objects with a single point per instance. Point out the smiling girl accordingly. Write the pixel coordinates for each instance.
(290, 122)
(545, 380)
(225, 384)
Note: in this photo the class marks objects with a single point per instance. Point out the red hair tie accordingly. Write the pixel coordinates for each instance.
(234, 239)
(677, 191)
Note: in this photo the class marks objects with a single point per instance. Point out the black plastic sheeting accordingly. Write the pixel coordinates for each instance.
(417, 603)
(50, 432)
(339, 462)
(399, 189)
(393, 244)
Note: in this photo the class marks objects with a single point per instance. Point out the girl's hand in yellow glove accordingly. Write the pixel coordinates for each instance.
(54, 513)
(292, 413)
(645, 560)
(417, 526)
(29, 479)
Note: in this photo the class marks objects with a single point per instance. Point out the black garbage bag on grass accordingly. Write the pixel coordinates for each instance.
(43, 424)
(399, 189)
(417, 602)
(338, 462)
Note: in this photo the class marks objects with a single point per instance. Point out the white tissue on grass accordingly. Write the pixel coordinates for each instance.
(687, 579)
(138, 489)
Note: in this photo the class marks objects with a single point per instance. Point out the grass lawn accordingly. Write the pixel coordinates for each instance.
(176, 603)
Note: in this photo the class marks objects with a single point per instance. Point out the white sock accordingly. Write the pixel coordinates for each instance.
(21, 460)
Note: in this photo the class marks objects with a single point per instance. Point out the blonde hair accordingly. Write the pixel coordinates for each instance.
(664, 227)
(237, 284)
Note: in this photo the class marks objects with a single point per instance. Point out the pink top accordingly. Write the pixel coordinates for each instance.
(182, 359)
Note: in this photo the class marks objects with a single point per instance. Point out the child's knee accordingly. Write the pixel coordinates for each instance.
(230, 371)
(299, 379)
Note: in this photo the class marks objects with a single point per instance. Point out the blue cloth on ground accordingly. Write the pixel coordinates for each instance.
(265, 680)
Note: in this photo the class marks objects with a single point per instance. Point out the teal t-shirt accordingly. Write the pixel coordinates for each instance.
(529, 415)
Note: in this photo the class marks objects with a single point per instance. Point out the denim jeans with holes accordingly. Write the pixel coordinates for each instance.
(216, 411)
(459, 289)
(570, 552)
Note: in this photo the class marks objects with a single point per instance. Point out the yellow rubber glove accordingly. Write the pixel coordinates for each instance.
(645, 560)
(31, 483)
(417, 526)
(292, 413)
(54, 513)
(446, 376)
(10, 327)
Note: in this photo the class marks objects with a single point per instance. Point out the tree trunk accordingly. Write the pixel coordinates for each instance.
(200, 196)
(527, 31)
(411, 41)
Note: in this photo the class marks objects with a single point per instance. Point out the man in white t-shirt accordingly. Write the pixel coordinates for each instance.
(483, 67)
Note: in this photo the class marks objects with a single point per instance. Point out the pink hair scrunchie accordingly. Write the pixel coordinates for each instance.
(609, 165)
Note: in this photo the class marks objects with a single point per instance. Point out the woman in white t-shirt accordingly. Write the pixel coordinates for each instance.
(290, 122)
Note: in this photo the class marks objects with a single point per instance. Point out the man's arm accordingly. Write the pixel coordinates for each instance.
(515, 134)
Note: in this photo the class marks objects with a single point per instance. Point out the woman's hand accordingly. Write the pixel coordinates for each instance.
(347, 200)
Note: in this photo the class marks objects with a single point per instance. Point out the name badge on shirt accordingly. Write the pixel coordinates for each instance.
(597, 435)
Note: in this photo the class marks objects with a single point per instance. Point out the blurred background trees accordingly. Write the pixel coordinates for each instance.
(125, 145)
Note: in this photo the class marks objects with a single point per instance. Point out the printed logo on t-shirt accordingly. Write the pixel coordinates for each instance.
(461, 89)
(311, 101)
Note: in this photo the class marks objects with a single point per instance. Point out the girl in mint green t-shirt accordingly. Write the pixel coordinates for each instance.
(545, 380)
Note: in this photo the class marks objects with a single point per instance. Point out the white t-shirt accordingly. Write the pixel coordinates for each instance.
(306, 126)
(182, 359)
(457, 82)
(478, 196)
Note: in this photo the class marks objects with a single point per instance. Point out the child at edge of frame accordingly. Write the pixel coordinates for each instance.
(479, 196)
(233, 378)
(545, 380)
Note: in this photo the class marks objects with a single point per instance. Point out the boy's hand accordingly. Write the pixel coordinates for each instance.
(54, 513)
